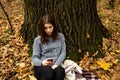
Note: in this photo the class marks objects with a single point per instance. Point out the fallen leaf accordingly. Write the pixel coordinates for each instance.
(21, 65)
(103, 64)
(115, 61)
(32, 77)
(118, 51)
(112, 53)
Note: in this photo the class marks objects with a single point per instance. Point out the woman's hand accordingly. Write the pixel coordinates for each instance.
(47, 63)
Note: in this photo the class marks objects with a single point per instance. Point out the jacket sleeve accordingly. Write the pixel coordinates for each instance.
(62, 55)
(36, 52)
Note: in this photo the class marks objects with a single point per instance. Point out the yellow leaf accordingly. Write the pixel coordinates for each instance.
(32, 77)
(102, 76)
(21, 77)
(112, 52)
(107, 21)
(118, 51)
(1, 78)
(11, 61)
(115, 61)
(103, 64)
(21, 65)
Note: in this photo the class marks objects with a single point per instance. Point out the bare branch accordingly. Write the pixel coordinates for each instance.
(7, 17)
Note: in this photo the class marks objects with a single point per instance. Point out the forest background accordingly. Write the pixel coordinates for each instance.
(15, 62)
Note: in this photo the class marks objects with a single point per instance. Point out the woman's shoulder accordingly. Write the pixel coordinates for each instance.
(37, 38)
(60, 35)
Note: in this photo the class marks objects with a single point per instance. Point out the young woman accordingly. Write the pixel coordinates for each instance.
(49, 51)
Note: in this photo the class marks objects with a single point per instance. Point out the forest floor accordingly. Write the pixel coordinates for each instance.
(15, 62)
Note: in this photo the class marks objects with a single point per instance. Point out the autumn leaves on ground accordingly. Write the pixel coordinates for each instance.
(15, 63)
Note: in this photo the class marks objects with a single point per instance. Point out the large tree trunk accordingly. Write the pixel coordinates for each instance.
(77, 19)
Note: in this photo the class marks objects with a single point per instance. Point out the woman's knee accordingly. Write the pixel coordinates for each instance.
(43, 72)
(48, 73)
(60, 70)
(59, 73)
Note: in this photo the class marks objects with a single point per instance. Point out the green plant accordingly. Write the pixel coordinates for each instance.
(102, 15)
(75, 56)
(30, 51)
(111, 5)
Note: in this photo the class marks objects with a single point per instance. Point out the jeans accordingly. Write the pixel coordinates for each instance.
(47, 73)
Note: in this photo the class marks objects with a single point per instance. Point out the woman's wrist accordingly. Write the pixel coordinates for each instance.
(54, 66)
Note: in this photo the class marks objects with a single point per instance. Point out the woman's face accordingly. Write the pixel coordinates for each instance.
(48, 28)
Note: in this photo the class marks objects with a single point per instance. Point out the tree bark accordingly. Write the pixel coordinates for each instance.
(76, 19)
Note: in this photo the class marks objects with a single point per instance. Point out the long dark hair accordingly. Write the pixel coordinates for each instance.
(51, 20)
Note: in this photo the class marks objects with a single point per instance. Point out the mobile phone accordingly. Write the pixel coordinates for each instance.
(50, 59)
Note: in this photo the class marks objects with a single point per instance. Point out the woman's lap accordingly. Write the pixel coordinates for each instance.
(47, 73)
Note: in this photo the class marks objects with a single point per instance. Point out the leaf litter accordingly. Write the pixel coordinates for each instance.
(15, 63)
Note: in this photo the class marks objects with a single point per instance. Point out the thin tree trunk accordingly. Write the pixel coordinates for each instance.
(11, 27)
